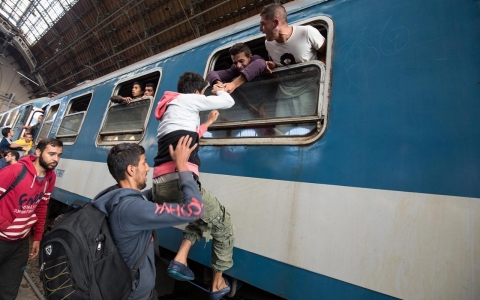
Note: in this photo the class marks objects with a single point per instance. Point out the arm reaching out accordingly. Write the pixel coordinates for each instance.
(169, 214)
(212, 117)
(120, 99)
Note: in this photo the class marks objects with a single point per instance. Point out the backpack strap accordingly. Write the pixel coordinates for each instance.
(19, 178)
(134, 270)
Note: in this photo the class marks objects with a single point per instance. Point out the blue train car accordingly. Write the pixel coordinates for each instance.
(371, 196)
(23, 115)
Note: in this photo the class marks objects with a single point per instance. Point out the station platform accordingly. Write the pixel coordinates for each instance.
(25, 292)
(167, 287)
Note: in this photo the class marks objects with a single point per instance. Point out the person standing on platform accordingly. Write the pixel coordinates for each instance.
(22, 209)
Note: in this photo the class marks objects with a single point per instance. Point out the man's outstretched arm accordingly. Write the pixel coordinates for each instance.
(170, 214)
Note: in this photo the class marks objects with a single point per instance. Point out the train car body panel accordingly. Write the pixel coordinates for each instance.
(384, 204)
(377, 239)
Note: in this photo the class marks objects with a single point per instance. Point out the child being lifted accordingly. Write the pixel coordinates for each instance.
(179, 116)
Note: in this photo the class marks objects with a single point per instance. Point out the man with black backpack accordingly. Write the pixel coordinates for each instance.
(132, 218)
(25, 190)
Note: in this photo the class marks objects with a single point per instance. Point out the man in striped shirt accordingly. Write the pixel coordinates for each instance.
(22, 208)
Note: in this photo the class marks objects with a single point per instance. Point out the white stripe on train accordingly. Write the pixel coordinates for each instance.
(408, 245)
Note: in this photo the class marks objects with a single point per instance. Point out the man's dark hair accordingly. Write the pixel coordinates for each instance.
(139, 84)
(150, 85)
(6, 131)
(49, 141)
(13, 153)
(190, 82)
(274, 10)
(121, 156)
(239, 48)
(27, 133)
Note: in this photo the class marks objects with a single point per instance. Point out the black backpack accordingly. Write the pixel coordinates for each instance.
(79, 260)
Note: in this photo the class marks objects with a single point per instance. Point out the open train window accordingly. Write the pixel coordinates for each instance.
(11, 118)
(288, 106)
(127, 122)
(2, 119)
(73, 119)
(17, 117)
(34, 119)
(48, 122)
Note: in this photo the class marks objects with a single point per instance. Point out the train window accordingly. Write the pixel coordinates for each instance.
(17, 117)
(288, 106)
(11, 118)
(127, 122)
(3, 120)
(73, 119)
(48, 122)
(34, 118)
(125, 88)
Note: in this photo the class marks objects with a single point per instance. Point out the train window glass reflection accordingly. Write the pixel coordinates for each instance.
(126, 122)
(288, 106)
(73, 119)
(273, 105)
(17, 117)
(48, 122)
(10, 119)
(2, 119)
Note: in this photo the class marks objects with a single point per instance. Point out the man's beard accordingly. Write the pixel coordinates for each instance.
(44, 164)
(141, 185)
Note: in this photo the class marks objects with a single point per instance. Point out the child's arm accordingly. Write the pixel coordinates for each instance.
(212, 117)
(194, 102)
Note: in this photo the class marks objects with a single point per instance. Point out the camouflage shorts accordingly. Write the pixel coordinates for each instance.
(216, 222)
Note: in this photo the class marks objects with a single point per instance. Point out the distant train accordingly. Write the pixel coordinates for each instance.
(374, 195)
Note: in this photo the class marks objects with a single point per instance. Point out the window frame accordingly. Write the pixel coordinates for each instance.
(323, 100)
(17, 118)
(115, 90)
(46, 115)
(3, 119)
(65, 114)
(12, 117)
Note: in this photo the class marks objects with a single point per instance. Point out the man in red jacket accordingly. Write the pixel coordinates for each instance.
(23, 208)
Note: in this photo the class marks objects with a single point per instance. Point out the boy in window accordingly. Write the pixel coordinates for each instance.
(179, 116)
(149, 90)
(244, 68)
(137, 93)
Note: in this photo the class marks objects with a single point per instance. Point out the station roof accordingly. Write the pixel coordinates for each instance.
(71, 41)
(34, 17)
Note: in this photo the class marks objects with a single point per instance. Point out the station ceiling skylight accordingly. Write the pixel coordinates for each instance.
(34, 17)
